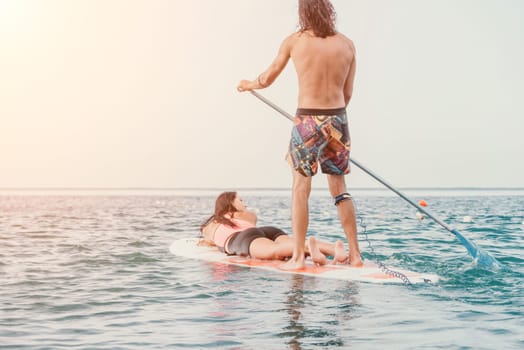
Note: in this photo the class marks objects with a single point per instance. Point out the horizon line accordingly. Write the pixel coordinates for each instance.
(473, 188)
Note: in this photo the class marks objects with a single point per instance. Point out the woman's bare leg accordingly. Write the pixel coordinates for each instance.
(264, 248)
(337, 250)
(341, 256)
(316, 255)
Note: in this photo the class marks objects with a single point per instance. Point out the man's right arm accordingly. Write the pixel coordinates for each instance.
(267, 78)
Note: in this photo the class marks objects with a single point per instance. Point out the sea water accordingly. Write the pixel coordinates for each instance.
(92, 270)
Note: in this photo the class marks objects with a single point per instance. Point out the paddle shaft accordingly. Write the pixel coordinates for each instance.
(482, 257)
(363, 168)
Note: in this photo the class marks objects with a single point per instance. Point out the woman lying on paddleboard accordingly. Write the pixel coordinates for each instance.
(232, 228)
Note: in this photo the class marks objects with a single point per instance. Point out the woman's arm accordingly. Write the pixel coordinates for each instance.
(208, 233)
(246, 215)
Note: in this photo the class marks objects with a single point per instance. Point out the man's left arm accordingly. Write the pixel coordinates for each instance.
(348, 85)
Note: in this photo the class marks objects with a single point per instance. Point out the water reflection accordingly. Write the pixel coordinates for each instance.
(313, 317)
(294, 304)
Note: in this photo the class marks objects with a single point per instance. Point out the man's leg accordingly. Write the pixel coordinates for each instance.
(346, 213)
(299, 219)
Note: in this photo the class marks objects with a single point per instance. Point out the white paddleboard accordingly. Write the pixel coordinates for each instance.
(370, 272)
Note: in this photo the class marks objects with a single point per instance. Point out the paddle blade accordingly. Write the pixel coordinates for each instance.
(482, 257)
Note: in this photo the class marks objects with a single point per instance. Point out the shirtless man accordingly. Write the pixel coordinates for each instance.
(325, 63)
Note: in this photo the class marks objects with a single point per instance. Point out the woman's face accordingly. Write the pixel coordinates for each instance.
(238, 203)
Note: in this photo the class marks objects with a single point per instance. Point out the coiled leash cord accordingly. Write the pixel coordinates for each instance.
(381, 265)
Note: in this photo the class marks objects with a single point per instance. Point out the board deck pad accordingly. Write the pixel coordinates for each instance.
(370, 272)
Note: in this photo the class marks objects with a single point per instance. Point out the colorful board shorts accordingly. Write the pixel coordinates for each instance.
(320, 136)
(239, 242)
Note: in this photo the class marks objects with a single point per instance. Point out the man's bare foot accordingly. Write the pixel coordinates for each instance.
(293, 263)
(316, 255)
(355, 260)
(341, 256)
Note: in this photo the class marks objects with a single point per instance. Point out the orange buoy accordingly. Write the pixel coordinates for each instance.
(422, 203)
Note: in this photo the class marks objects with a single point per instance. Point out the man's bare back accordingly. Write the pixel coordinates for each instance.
(324, 67)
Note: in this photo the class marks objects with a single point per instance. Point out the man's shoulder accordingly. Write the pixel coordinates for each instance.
(345, 39)
(293, 37)
(290, 41)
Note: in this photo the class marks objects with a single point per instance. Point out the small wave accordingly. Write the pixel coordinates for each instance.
(135, 258)
(139, 244)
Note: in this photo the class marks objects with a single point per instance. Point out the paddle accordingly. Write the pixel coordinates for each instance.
(482, 257)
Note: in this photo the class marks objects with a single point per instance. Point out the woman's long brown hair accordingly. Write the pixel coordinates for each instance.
(223, 205)
(318, 16)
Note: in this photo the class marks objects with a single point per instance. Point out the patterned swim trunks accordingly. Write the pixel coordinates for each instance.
(320, 136)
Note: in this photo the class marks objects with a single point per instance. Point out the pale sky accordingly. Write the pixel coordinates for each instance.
(128, 93)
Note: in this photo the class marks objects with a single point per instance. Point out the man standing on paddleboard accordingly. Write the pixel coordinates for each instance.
(325, 63)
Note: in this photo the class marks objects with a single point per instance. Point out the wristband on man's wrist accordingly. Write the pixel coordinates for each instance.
(260, 83)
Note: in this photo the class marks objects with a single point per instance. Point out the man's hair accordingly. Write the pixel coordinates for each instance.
(318, 16)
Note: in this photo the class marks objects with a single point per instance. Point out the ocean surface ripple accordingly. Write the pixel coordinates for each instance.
(95, 272)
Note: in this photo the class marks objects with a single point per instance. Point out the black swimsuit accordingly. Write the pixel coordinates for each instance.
(239, 242)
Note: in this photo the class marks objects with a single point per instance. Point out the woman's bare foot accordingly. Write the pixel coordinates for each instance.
(316, 255)
(341, 256)
(293, 263)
